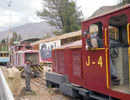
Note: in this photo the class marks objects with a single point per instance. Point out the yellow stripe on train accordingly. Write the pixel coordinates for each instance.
(40, 68)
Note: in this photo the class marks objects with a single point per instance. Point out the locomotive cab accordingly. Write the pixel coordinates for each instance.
(113, 31)
(118, 44)
(33, 57)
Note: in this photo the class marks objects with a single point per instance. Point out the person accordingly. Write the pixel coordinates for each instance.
(93, 41)
(28, 73)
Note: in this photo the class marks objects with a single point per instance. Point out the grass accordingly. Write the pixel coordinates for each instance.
(25, 92)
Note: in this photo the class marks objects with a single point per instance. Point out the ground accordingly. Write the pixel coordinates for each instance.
(40, 91)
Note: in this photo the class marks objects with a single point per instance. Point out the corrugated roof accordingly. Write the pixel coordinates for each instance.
(74, 44)
(24, 51)
(60, 37)
(4, 51)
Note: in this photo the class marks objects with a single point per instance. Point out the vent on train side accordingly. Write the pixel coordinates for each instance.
(56, 62)
(61, 62)
(76, 62)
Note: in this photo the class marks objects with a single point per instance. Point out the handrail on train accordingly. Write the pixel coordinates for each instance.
(6, 93)
(128, 34)
(106, 44)
(106, 52)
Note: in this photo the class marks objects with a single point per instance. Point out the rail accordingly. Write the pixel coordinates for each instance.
(5, 93)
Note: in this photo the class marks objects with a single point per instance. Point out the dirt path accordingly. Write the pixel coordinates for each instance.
(40, 92)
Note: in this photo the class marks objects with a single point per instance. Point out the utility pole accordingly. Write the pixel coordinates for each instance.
(10, 24)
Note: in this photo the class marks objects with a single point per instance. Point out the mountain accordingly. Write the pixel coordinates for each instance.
(30, 30)
(104, 9)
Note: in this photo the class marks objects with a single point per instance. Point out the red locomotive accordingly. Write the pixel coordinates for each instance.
(86, 73)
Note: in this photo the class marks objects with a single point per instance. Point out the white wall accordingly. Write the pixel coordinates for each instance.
(49, 45)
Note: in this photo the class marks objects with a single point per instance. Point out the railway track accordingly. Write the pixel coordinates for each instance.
(40, 86)
(39, 82)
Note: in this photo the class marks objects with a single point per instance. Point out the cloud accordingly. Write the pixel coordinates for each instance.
(89, 6)
(22, 11)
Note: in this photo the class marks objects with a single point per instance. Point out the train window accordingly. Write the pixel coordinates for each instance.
(28, 47)
(4, 54)
(55, 44)
(0, 54)
(119, 25)
(7, 55)
(119, 60)
(51, 47)
(113, 33)
(96, 32)
(33, 57)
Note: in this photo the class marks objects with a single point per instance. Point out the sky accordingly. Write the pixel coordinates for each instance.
(24, 11)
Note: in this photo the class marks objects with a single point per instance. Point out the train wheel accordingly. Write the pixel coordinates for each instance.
(86, 97)
(48, 84)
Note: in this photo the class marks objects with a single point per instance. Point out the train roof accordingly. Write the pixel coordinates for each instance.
(29, 40)
(4, 51)
(27, 51)
(60, 37)
(76, 44)
(107, 13)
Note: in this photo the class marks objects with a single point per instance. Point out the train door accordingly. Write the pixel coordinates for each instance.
(94, 60)
(119, 52)
(75, 66)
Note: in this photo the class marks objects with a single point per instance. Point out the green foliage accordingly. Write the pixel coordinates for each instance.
(19, 37)
(124, 2)
(4, 44)
(47, 36)
(63, 14)
(15, 38)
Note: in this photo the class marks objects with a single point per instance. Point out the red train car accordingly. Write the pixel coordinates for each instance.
(88, 72)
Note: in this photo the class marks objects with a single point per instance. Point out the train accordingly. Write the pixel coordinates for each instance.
(46, 50)
(45, 46)
(86, 74)
(22, 52)
(4, 57)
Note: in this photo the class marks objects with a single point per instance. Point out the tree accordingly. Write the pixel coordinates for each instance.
(123, 2)
(63, 14)
(15, 37)
(126, 1)
(19, 37)
(3, 44)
